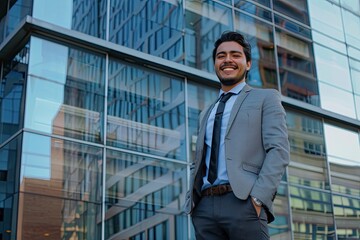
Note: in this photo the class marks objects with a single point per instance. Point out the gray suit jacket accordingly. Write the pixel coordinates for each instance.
(256, 148)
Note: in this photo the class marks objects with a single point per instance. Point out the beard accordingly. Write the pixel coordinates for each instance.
(231, 81)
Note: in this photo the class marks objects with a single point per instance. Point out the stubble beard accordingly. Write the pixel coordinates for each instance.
(232, 81)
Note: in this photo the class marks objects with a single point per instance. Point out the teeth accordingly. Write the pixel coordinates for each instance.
(226, 69)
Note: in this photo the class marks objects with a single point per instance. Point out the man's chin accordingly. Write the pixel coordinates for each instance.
(229, 81)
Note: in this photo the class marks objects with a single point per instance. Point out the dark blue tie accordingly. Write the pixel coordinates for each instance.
(215, 143)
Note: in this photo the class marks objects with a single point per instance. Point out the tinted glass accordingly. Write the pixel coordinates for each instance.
(297, 68)
(308, 165)
(261, 38)
(204, 23)
(84, 16)
(199, 98)
(153, 27)
(9, 187)
(12, 94)
(62, 179)
(144, 194)
(295, 9)
(146, 111)
(312, 214)
(65, 94)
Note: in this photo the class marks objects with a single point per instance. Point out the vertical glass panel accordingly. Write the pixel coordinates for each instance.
(344, 156)
(296, 9)
(330, 42)
(65, 94)
(84, 16)
(280, 228)
(9, 187)
(154, 27)
(141, 193)
(292, 26)
(353, 5)
(308, 165)
(355, 74)
(347, 217)
(204, 23)
(44, 217)
(357, 105)
(337, 100)
(18, 10)
(64, 180)
(12, 94)
(253, 9)
(352, 28)
(146, 111)
(312, 214)
(297, 68)
(326, 18)
(200, 96)
(261, 38)
(332, 68)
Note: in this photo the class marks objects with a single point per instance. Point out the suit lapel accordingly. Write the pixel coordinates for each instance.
(240, 99)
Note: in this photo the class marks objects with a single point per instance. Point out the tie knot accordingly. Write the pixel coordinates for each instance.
(224, 97)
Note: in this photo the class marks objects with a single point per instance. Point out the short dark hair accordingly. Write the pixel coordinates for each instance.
(229, 36)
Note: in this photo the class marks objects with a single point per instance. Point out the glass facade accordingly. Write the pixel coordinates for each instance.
(99, 106)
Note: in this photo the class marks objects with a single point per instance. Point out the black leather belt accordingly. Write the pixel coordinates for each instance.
(216, 190)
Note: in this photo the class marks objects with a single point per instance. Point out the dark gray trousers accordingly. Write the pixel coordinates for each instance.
(227, 217)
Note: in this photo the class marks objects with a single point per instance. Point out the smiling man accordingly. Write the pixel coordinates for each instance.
(241, 152)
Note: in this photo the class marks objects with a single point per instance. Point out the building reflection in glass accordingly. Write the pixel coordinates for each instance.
(204, 23)
(12, 94)
(153, 27)
(143, 197)
(65, 92)
(61, 179)
(280, 228)
(308, 165)
(146, 111)
(312, 214)
(261, 38)
(9, 187)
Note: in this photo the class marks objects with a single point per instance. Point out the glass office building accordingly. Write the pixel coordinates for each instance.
(99, 105)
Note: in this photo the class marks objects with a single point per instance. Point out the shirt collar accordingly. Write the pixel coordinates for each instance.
(236, 89)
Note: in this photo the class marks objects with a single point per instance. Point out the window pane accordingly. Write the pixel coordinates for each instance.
(308, 165)
(312, 214)
(9, 187)
(337, 100)
(280, 228)
(65, 94)
(253, 9)
(297, 68)
(146, 111)
(343, 154)
(332, 67)
(154, 27)
(12, 94)
(62, 179)
(326, 18)
(142, 192)
(64, 218)
(205, 21)
(352, 28)
(199, 97)
(297, 9)
(261, 38)
(347, 217)
(84, 16)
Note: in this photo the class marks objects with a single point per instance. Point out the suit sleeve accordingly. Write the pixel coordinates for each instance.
(276, 146)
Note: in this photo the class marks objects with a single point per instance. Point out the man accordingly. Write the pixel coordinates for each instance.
(235, 200)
